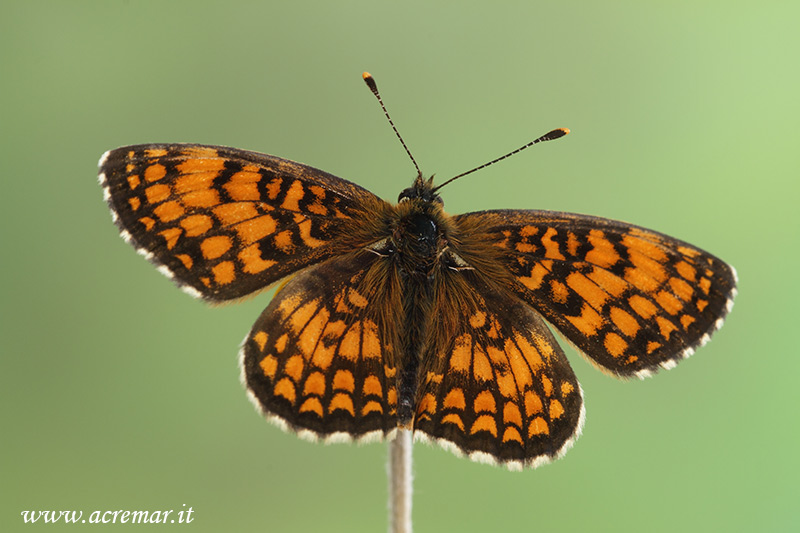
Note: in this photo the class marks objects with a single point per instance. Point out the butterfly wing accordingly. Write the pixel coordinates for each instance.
(224, 222)
(498, 388)
(631, 299)
(320, 359)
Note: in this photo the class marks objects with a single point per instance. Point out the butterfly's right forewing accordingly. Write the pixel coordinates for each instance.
(631, 299)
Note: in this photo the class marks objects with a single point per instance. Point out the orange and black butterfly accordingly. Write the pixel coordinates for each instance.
(401, 315)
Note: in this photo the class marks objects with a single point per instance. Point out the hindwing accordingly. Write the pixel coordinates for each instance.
(497, 386)
(320, 359)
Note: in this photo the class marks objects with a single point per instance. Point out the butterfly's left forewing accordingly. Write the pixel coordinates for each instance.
(224, 222)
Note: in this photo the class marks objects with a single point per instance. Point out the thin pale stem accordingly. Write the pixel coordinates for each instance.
(400, 482)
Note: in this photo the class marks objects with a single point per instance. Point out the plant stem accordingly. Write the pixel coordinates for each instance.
(400, 482)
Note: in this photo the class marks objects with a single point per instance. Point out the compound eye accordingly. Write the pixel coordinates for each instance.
(406, 194)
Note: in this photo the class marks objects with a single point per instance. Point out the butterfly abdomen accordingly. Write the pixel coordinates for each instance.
(416, 317)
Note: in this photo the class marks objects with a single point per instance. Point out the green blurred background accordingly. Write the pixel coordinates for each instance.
(121, 392)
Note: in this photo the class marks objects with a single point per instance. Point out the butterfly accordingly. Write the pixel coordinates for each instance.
(403, 316)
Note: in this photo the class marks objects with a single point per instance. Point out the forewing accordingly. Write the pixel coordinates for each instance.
(631, 299)
(499, 387)
(225, 222)
(318, 360)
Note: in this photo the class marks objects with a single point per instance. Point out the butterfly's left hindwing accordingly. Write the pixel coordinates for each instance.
(319, 360)
(225, 222)
(631, 299)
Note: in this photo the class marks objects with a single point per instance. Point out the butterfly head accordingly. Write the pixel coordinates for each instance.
(423, 190)
(419, 231)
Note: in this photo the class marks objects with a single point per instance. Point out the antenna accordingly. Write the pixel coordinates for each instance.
(549, 136)
(370, 81)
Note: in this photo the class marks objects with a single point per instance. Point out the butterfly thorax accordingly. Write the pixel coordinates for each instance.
(417, 242)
